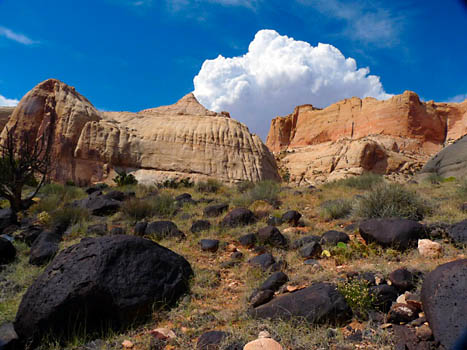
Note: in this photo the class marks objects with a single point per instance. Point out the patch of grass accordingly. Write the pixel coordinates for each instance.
(209, 186)
(335, 209)
(391, 200)
(343, 253)
(261, 191)
(162, 205)
(362, 182)
(69, 216)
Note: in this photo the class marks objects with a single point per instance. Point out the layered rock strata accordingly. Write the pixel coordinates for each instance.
(353, 136)
(181, 140)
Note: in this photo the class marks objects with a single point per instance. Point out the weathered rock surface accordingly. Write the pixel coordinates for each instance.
(318, 303)
(444, 293)
(181, 140)
(5, 113)
(354, 135)
(103, 283)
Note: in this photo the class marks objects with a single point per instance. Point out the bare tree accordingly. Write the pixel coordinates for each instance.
(21, 160)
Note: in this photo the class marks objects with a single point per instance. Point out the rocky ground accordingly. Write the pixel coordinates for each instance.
(296, 268)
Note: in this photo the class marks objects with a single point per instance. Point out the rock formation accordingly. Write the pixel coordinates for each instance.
(353, 136)
(5, 113)
(181, 140)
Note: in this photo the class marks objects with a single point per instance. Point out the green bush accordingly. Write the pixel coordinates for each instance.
(69, 216)
(358, 296)
(336, 209)
(244, 186)
(361, 182)
(123, 179)
(138, 209)
(265, 191)
(174, 183)
(391, 200)
(209, 186)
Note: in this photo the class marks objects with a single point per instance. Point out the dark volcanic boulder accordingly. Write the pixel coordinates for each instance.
(215, 210)
(209, 245)
(99, 204)
(333, 237)
(200, 225)
(103, 283)
(444, 295)
(274, 221)
(264, 260)
(458, 232)
(29, 234)
(384, 296)
(397, 233)
(310, 250)
(140, 228)
(275, 281)
(260, 297)
(305, 240)
(403, 279)
(44, 248)
(8, 337)
(239, 217)
(6, 219)
(163, 229)
(7, 251)
(211, 340)
(291, 217)
(248, 241)
(321, 302)
(272, 236)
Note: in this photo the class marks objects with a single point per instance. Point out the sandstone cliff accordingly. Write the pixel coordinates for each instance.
(5, 113)
(354, 135)
(181, 140)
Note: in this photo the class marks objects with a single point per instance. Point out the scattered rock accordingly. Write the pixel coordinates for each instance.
(105, 283)
(140, 228)
(403, 279)
(163, 333)
(97, 229)
(211, 340)
(8, 337)
(402, 313)
(237, 255)
(291, 217)
(429, 249)
(29, 234)
(200, 225)
(274, 221)
(333, 237)
(96, 188)
(44, 248)
(397, 233)
(264, 260)
(7, 251)
(321, 302)
(164, 229)
(248, 240)
(444, 295)
(184, 198)
(116, 195)
(424, 332)
(458, 232)
(263, 344)
(260, 297)
(385, 295)
(99, 204)
(313, 263)
(275, 281)
(305, 240)
(209, 245)
(311, 250)
(272, 236)
(239, 217)
(117, 231)
(215, 210)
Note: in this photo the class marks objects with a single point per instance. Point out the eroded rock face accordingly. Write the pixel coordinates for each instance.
(353, 136)
(181, 140)
(5, 113)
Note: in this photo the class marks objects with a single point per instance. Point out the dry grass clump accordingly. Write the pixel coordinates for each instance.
(161, 205)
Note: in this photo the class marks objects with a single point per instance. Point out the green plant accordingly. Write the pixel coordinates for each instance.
(209, 186)
(44, 218)
(266, 191)
(335, 209)
(160, 205)
(354, 249)
(123, 179)
(69, 215)
(391, 200)
(244, 186)
(358, 296)
(361, 182)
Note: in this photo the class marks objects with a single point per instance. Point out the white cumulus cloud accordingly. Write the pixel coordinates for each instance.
(277, 74)
(7, 102)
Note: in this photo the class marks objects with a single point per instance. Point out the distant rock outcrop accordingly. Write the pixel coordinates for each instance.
(5, 113)
(181, 140)
(353, 136)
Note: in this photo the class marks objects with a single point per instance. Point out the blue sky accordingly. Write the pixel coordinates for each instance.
(136, 54)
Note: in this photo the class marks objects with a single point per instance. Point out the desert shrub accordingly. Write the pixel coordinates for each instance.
(361, 182)
(69, 216)
(462, 190)
(123, 179)
(265, 191)
(336, 209)
(345, 252)
(175, 183)
(245, 186)
(209, 186)
(391, 200)
(160, 205)
(65, 193)
(44, 218)
(357, 295)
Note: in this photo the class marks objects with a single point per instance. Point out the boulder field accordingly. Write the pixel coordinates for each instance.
(170, 142)
(355, 135)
